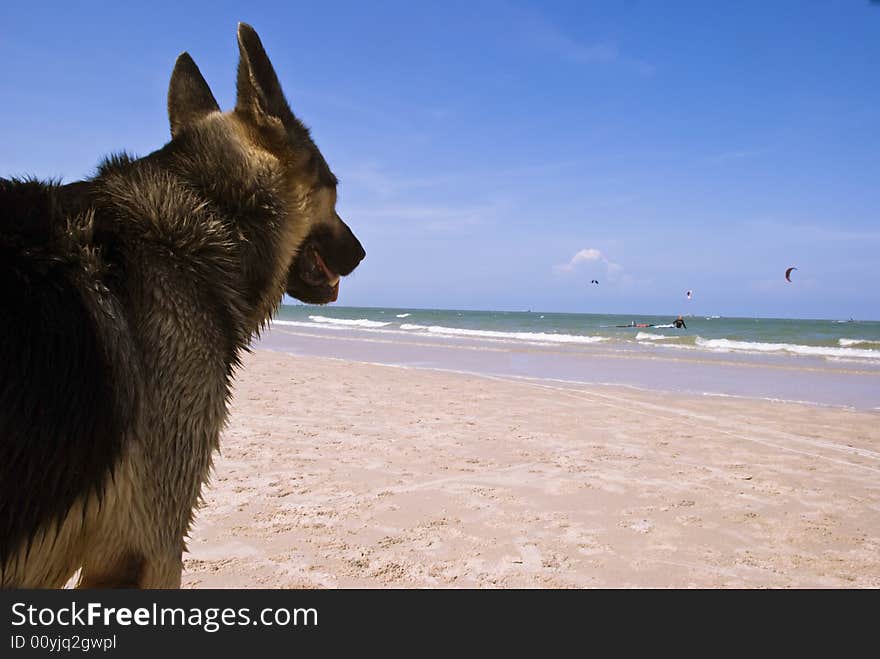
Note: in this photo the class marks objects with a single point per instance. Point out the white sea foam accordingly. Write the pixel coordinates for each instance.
(404, 315)
(304, 323)
(275, 321)
(728, 345)
(543, 337)
(358, 322)
(858, 342)
(647, 336)
(534, 338)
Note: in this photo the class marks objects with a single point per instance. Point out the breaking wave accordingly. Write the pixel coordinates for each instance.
(858, 342)
(647, 336)
(728, 345)
(542, 337)
(358, 322)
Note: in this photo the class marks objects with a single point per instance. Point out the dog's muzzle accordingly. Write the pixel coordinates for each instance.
(328, 253)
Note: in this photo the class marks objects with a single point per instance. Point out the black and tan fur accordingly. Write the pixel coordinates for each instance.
(125, 303)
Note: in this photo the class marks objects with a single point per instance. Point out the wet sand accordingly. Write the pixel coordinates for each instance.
(838, 382)
(338, 474)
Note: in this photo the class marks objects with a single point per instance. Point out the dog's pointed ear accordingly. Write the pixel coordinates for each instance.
(189, 97)
(259, 92)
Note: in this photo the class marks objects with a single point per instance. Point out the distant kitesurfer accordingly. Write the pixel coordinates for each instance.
(679, 323)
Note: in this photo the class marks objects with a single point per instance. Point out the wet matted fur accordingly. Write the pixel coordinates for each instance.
(125, 303)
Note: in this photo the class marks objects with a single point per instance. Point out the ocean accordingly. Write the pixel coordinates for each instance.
(834, 362)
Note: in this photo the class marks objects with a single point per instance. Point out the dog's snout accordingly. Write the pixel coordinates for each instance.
(360, 252)
(349, 251)
(350, 255)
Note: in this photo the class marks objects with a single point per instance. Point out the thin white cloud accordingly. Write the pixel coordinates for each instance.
(384, 182)
(541, 33)
(613, 269)
(583, 256)
(547, 36)
(591, 255)
(733, 156)
(429, 217)
(817, 231)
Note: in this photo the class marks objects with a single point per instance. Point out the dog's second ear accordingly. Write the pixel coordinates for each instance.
(189, 97)
(259, 92)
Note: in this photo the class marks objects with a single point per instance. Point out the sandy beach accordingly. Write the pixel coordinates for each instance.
(339, 474)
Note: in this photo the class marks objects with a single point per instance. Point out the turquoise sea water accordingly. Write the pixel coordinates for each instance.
(825, 362)
(833, 339)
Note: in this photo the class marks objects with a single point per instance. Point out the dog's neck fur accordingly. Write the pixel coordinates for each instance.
(239, 215)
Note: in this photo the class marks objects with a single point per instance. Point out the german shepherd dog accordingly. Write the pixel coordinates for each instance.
(126, 301)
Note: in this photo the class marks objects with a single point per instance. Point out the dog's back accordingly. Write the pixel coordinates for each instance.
(118, 336)
(58, 395)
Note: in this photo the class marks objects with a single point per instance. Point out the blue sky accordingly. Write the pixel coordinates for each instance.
(482, 145)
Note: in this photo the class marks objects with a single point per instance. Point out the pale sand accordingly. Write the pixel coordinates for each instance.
(340, 474)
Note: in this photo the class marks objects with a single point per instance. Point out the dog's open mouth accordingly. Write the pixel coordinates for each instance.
(330, 252)
(310, 279)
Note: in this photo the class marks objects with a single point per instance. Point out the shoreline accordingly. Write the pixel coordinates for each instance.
(336, 474)
(573, 384)
(794, 379)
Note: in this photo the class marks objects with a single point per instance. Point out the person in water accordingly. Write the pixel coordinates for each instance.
(679, 323)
